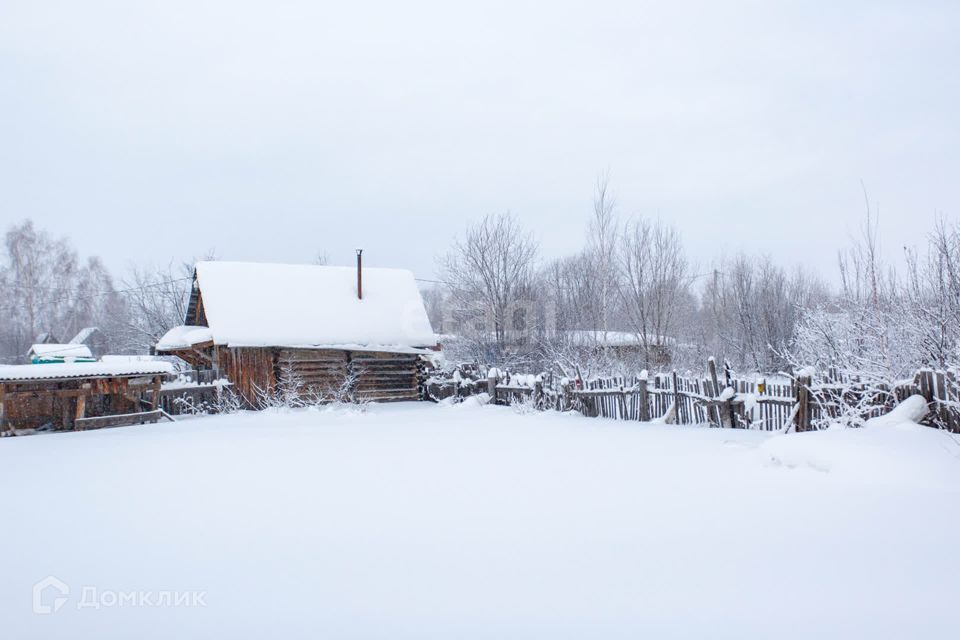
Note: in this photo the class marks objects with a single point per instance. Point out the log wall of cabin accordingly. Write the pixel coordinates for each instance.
(379, 376)
(317, 371)
(384, 377)
(250, 369)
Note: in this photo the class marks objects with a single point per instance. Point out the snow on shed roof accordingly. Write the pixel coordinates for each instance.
(254, 304)
(611, 338)
(81, 370)
(83, 335)
(184, 337)
(50, 350)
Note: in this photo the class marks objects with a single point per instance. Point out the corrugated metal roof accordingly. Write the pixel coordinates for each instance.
(21, 372)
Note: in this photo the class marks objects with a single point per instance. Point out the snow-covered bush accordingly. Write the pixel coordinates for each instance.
(226, 400)
(291, 392)
(524, 403)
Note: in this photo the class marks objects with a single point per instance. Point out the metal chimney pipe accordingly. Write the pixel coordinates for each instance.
(359, 274)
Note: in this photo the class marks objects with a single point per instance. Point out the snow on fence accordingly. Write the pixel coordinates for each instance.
(192, 391)
(803, 403)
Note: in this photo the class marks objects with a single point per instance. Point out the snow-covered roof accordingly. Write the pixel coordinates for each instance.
(83, 335)
(81, 370)
(609, 338)
(184, 337)
(250, 304)
(115, 359)
(48, 350)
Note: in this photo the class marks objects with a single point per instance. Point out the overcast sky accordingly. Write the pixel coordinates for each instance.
(274, 130)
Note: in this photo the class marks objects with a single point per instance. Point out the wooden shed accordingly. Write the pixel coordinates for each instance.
(79, 395)
(623, 344)
(49, 352)
(322, 328)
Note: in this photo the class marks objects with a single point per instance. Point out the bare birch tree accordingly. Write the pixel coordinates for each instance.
(654, 275)
(490, 272)
(601, 259)
(45, 288)
(158, 299)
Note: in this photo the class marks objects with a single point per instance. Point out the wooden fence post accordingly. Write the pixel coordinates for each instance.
(538, 393)
(155, 394)
(566, 398)
(725, 407)
(803, 402)
(644, 406)
(492, 385)
(3, 414)
(676, 398)
(923, 385)
(712, 366)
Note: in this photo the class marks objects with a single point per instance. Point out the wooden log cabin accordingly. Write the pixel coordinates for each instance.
(78, 395)
(324, 329)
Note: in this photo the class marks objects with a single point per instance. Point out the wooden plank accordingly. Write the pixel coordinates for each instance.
(155, 394)
(332, 355)
(676, 396)
(3, 412)
(81, 408)
(65, 413)
(119, 420)
(383, 355)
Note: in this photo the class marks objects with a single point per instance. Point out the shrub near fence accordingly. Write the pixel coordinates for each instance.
(802, 403)
(192, 392)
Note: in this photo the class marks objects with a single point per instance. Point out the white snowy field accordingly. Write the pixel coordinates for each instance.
(425, 521)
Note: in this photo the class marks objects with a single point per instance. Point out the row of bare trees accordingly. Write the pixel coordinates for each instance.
(46, 288)
(886, 323)
(632, 298)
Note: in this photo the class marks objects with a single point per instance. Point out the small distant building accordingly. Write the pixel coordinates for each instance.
(52, 353)
(622, 344)
(46, 337)
(320, 326)
(94, 339)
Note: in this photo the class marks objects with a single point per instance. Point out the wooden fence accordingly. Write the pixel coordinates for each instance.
(802, 403)
(191, 391)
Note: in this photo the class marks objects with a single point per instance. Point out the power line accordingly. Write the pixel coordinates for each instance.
(103, 293)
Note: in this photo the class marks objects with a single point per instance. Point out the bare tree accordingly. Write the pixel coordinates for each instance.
(601, 258)
(931, 298)
(98, 304)
(45, 288)
(158, 299)
(754, 306)
(654, 277)
(435, 303)
(490, 272)
(569, 286)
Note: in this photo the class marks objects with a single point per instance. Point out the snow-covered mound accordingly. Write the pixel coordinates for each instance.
(891, 450)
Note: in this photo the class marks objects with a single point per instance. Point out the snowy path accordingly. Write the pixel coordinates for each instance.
(419, 521)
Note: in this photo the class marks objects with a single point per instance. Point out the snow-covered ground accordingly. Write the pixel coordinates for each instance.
(424, 521)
